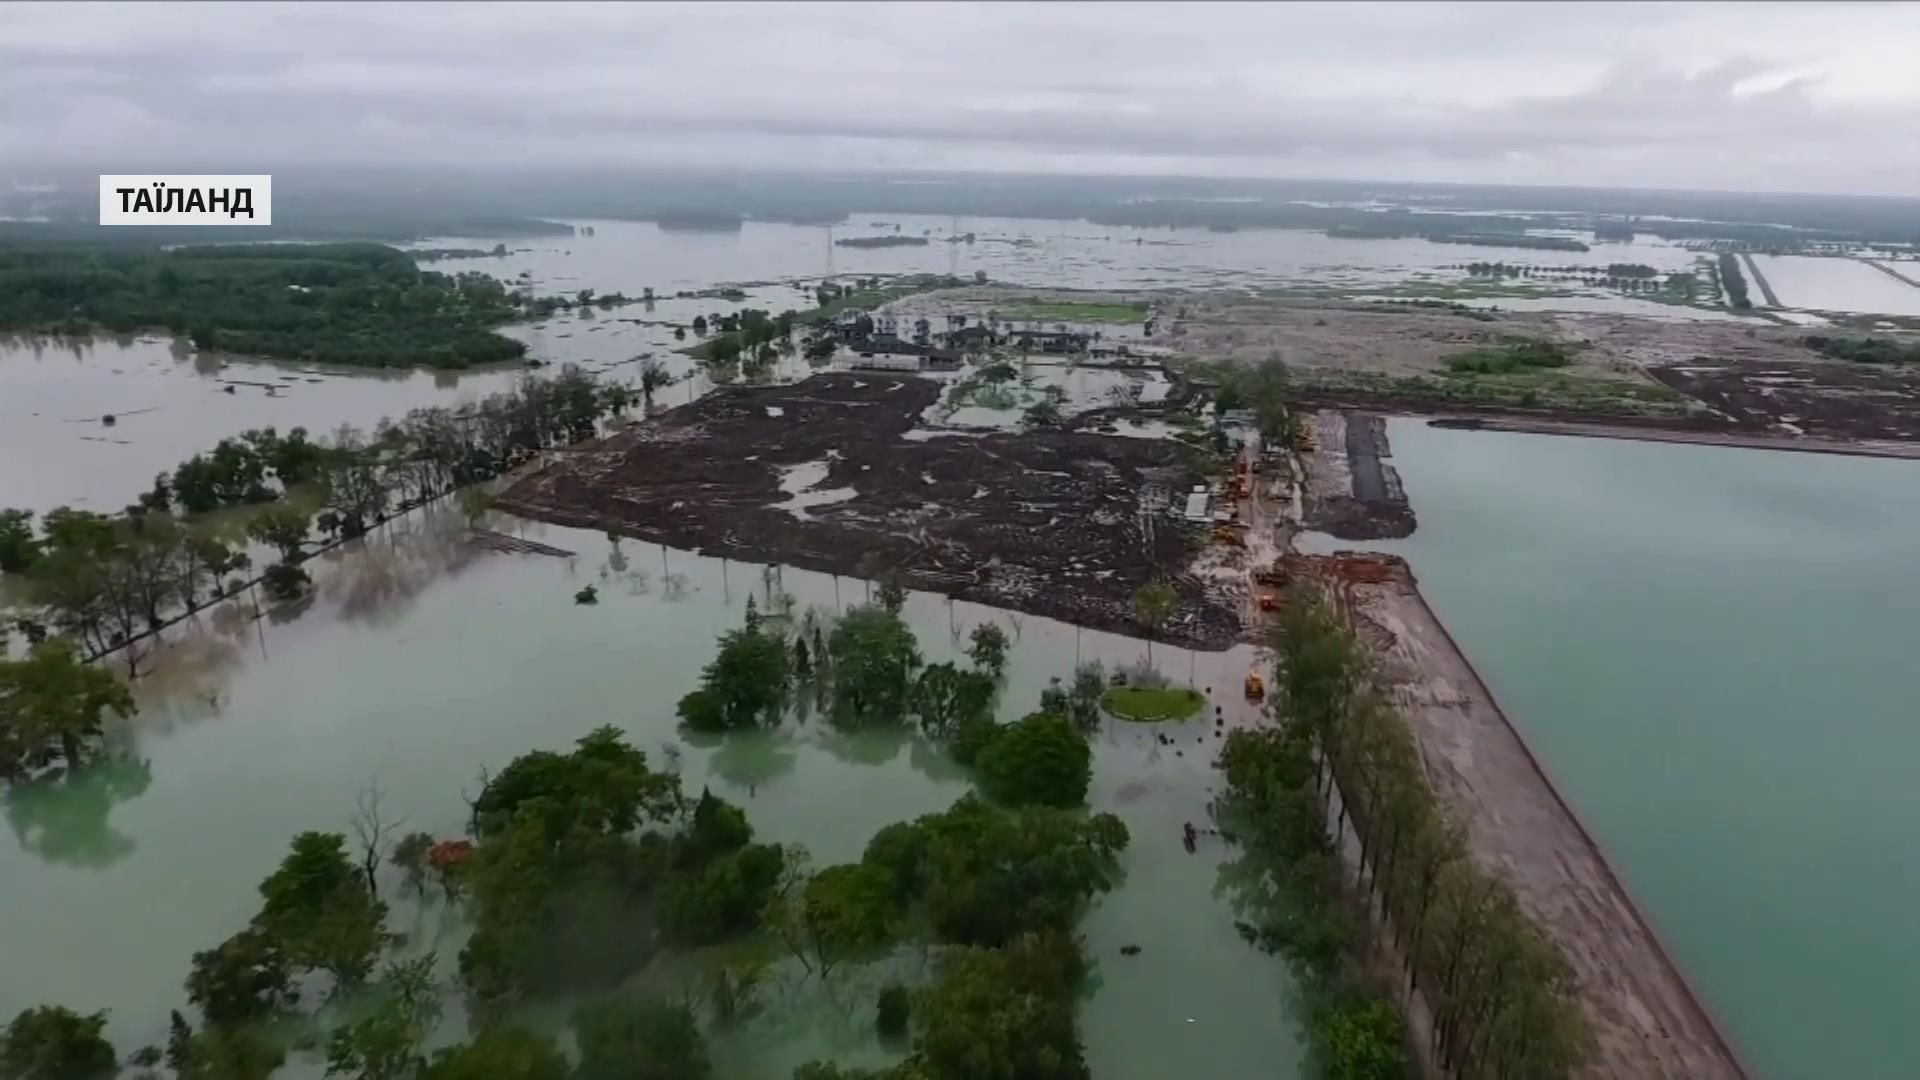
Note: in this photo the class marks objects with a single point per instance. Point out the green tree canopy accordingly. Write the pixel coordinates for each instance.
(316, 906)
(987, 648)
(51, 705)
(743, 686)
(945, 697)
(604, 785)
(625, 1038)
(243, 980)
(500, 1054)
(1041, 760)
(980, 1021)
(55, 1043)
(983, 875)
(874, 658)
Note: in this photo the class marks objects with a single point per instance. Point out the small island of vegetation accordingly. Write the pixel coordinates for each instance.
(1866, 350)
(882, 242)
(356, 304)
(1152, 704)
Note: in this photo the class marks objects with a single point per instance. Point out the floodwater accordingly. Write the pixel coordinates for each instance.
(1850, 285)
(629, 256)
(170, 403)
(1712, 650)
(423, 661)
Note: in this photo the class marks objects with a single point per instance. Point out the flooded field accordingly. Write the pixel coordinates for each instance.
(424, 660)
(1848, 285)
(170, 403)
(1705, 644)
(630, 256)
(1710, 648)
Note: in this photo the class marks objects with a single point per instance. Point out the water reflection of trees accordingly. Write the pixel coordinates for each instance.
(800, 1016)
(748, 759)
(62, 818)
(189, 676)
(377, 577)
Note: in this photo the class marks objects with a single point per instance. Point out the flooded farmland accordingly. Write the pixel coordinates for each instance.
(254, 731)
(1722, 652)
(1846, 285)
(631, 256)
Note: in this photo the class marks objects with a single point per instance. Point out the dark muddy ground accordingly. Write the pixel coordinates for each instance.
(1062, 524)
(1356, 494)
(1832, 399)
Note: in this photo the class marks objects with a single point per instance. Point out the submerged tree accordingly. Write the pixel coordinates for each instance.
(316, 905)
(55, 1043)
(282, 527)
(1153, 605)
(1039, 760)
(384, 1043)
(500, 1054)
(874, 657)
(626, 1038)
(243, 980)
(946, 697)
(745, 685)
(988, 649)
(981, 1020)
(51, 708)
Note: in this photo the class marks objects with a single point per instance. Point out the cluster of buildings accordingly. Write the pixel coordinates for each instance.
(889, 343)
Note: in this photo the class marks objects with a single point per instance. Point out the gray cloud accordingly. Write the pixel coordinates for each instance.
(1772, 96)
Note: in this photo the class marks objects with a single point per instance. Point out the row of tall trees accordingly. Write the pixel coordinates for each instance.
(108, 580)
(1343, 763)
(1732, 281)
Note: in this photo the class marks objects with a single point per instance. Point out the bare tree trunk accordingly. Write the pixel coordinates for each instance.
(375, 832)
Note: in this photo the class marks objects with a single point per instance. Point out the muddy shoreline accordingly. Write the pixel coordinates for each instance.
(829, 474)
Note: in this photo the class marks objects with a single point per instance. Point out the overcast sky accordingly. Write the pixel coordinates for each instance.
(1814, 97)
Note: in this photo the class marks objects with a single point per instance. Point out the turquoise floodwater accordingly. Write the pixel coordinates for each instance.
(1715, 652)
(423, 660)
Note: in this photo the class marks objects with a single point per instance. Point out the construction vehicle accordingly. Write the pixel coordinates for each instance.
(1269, 602)
(1256, 687)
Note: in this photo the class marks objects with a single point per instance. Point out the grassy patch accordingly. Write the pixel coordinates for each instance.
(868, 299)
(1466, 289)
(1866, 350)
(1534, 388)
(1032, 307)
(1152, 704)
(1511, 357)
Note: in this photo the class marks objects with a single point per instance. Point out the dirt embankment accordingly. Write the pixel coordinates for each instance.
(822, 475)
(1646, 1018)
